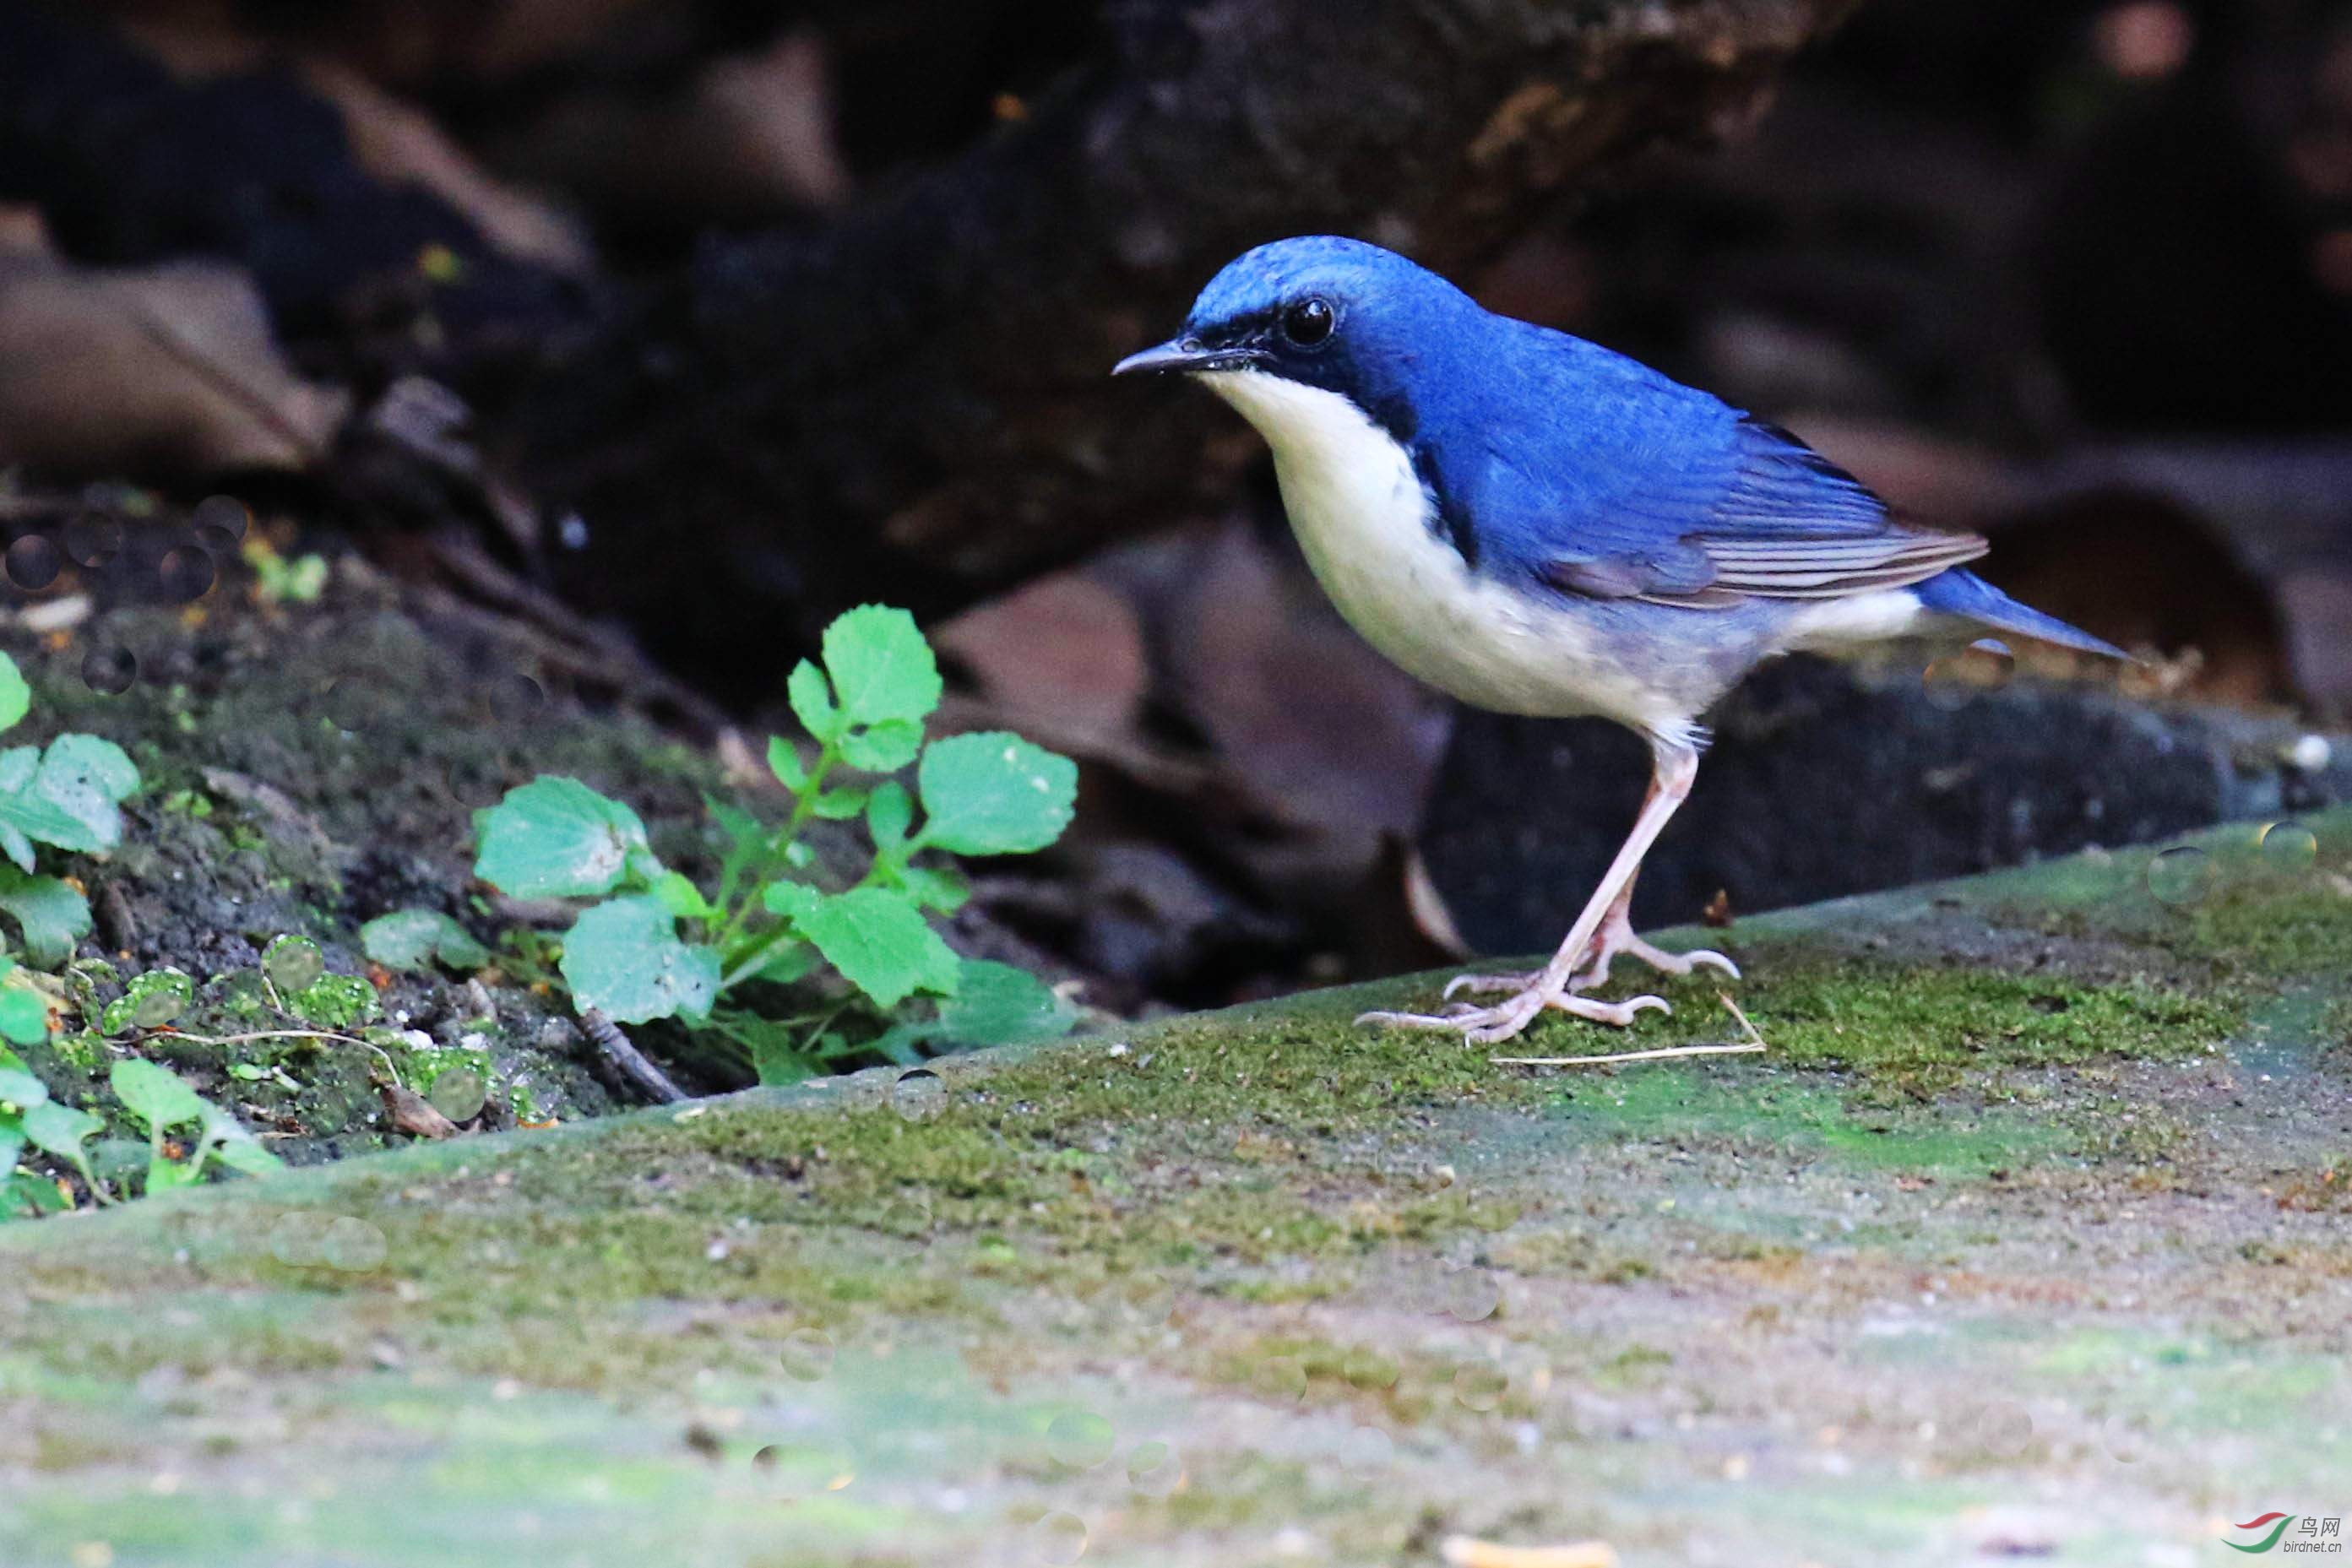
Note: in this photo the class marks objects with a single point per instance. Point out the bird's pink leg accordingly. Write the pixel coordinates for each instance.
(1615, 938)
(1675, 766)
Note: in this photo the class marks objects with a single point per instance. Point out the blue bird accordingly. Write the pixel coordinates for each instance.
(1536, 525)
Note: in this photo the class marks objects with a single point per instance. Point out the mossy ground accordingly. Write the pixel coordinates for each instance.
(2024, 1236)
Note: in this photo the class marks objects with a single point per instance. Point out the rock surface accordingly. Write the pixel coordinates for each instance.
(1826, 780)
(2026, 1237)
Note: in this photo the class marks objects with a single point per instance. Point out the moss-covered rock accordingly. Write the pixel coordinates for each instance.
(2024, 1235)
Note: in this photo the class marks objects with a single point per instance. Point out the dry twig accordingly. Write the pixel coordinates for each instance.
(626, 1060)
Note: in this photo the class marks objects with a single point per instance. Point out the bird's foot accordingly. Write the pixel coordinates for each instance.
(1616, 939)
(1613, 940)
(1490, 985)
(1491, 1026)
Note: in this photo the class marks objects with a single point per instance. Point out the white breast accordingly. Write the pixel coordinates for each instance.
(1363, 518)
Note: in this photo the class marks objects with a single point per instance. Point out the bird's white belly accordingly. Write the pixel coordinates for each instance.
(1363, 521)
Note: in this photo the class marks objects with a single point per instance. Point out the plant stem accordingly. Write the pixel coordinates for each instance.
(809, 1045)
(747, 960)
(760, 872)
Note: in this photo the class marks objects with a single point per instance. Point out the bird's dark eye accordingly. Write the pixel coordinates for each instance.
(1309, 322)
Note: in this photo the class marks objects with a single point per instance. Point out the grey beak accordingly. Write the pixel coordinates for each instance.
(1159, 359)
(1176, 354)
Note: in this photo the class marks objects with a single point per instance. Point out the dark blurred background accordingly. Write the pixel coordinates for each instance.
(682, 324)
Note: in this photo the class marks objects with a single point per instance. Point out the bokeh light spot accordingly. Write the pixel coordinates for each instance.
(2180, 875)
(1079, 1438)
(807, 1355)
(108, 669)
(34, 563)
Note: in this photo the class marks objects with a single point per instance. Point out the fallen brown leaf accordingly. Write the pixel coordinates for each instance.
(169, 371)
(412, 1114)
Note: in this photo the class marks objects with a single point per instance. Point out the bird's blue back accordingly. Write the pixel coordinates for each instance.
(1561, 467)
(1536, 445)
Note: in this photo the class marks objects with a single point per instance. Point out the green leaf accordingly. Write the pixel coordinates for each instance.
(994, 794)
(995, 1004)
(679, 894)
(881, 667)
(24, 1016)
(61, 1130)
(248, 1156)
(556, 838)
(902, 1043)
(85, 780)
(812, 700)
(26, 1194)
(15, 696)
(944, 891)
(413, 940)
(881, 944)
(775, 1048)
(149, 1001)
(156, 1094)
(50, 914)
(785, 764)
(786, 963)
(623, 956)
(779, 1061)
(795, 901)
(27, 814)
(889, 810)
(883, 748)
(747, 842)
(163, 1176)
(12, 1144)
(22, 1089)
(17, 766)
(237, 1148)
(840, 805)
(12, 841)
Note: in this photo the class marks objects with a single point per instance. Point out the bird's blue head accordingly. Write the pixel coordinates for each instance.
(1335, 314)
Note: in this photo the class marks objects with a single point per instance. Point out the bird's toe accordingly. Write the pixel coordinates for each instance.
(1486, 985)
(1619, 1015)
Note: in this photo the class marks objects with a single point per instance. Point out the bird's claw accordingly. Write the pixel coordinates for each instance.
(1485, 985)
(1493, 1025)
(1614, 944)
(1594, 970)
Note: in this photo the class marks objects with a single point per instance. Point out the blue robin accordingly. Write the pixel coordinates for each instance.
(1536, 525)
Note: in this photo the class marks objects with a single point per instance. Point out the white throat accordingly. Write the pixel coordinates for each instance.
(1364, 519)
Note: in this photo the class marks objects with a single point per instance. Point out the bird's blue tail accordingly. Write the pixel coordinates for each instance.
(1969, 596)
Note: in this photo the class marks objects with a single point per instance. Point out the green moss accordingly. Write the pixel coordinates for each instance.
(1915, 1031)
(81, 1051)
(334, 1002)
(1170, 1209)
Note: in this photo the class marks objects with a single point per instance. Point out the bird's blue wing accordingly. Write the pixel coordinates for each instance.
(1638, 487)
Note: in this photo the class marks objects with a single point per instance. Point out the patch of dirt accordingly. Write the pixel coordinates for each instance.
(305, 768)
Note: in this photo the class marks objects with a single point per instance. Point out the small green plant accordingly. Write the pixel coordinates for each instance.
(414, 940)
(158, 1098)
(154, 1095)
(69, 795)
(656, 946)
(27, 1115)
